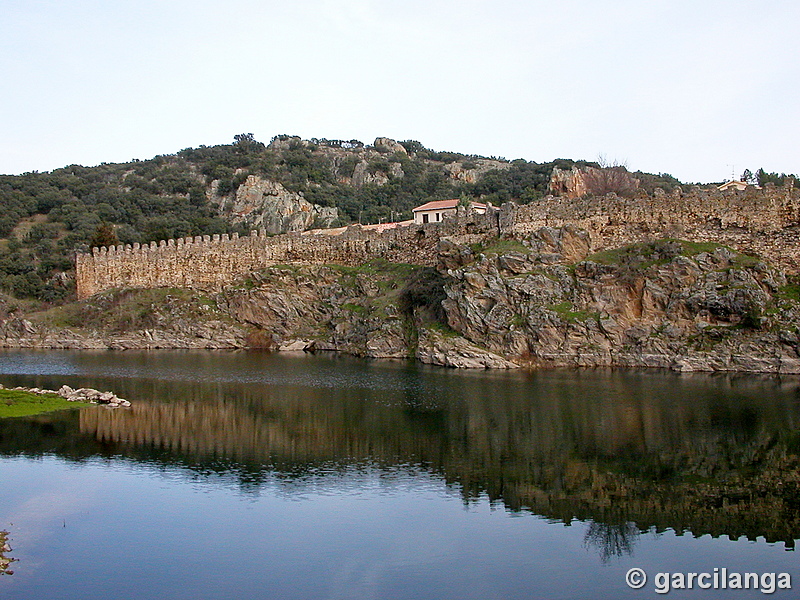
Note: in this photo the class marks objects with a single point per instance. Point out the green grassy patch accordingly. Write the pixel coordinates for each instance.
(745, 261)
(739, 260)
(379, 267)
(695, 248)
(644, 255)
(566, 311)
(790, 292)
(356, 308)
(518, 321)
(17, 403)
(639, 256)
(442, 329)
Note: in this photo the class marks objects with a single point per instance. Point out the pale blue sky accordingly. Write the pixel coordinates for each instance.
(692, 88)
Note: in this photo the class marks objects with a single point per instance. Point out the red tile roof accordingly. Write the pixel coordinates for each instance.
(444, 204)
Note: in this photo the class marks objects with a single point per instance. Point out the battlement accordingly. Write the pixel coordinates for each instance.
(764, 222)
(210, 262)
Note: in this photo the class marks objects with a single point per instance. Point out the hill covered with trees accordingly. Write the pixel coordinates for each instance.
(46, 217)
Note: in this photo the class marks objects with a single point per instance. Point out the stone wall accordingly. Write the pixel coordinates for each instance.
(208, 263)
(764, 222)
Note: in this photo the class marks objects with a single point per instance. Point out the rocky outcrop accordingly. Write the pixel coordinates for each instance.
(5, 561)
(127, 320)
(286, 142)
(584, 181)
(384, 144)
(262, 203)
(355, 311)
(666, 304)
(452, 350)
(364, 174)
(196, 335)
(92, 396)
(472, 170)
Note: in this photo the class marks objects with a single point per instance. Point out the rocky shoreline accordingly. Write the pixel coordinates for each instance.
(5, 561)
(538, 301)
(90, 395)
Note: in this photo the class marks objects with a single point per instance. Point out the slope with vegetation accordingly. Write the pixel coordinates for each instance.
(46, 217)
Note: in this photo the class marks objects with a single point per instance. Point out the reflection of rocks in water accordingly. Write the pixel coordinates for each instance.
(5, 561)
(612, 539)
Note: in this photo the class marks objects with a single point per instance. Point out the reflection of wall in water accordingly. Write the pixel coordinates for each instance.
(613, 450)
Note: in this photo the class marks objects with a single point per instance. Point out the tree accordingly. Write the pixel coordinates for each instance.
(412, 146)
(246, 142)
(244, 138)
(778, 179)
(104, 235)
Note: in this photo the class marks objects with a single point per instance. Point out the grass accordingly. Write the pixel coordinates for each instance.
(739, 260)
(695, 248)
(17, 403)
(643, 255)
(356, 308)
(745, 261)
(378, 266)
(640, 256)
(566, 312)
(790, 292)
(518, 321)
(442, 329)
(9, 305)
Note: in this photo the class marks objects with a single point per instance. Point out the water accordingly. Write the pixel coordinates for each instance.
(250, 475)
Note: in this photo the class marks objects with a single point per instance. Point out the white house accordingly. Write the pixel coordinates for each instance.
(736, 185)
(433, 212)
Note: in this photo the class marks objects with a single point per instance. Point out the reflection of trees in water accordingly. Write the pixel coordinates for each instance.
(708, 455)
(611, 539)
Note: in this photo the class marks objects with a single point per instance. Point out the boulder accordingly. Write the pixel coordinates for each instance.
(263, 203)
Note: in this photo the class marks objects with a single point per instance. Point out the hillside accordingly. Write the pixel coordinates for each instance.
(289, 184)
(605, 274)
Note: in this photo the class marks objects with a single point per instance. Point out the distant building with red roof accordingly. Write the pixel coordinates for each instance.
(736, 185)
(433, 212)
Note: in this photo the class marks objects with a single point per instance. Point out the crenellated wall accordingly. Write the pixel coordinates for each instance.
(764, 222)
(208, 263)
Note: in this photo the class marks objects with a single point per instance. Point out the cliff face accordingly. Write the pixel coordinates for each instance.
(377, 310)
(380, 310)
(672, 304)
(582, 181)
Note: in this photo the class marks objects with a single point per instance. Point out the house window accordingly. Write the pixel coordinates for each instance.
(437, 216)
(424, 217)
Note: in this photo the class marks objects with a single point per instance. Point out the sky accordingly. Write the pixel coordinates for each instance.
(699, 89)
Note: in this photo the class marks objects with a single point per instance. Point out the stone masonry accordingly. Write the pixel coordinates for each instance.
(763, 222)
(209, 263)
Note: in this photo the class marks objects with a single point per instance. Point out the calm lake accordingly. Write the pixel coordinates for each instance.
(253, 475)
